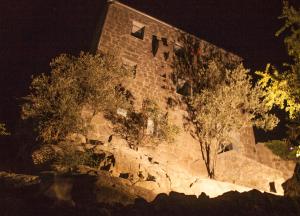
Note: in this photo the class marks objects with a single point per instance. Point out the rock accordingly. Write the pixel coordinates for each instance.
(149, 185)
(292, 186)
(15, 181)
(76, 137)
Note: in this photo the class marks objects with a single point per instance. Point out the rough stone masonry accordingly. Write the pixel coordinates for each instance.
(147, 45)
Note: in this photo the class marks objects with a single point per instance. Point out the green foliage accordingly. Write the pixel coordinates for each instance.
(282, 149)
(282, 89)
(135, 126)
(3, 131)
(56, 101)
(228, 106)
(291, 17)
(222, 99)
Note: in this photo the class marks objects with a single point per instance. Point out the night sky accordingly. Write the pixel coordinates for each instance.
(33, 32)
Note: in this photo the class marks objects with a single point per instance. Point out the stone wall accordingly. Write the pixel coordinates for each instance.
(181, 160)
(152, 78)
(153, 72)
(233, 167)
(265, 156)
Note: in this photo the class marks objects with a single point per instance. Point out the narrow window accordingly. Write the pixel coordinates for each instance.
(138, 30)
(166, 55)
(272, 187)
(155, 44)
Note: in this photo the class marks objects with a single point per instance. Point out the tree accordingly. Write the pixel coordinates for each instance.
(282, 88)
(226, 107)
(56, 101)
(223, 99)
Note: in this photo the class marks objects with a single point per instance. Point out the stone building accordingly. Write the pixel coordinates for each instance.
(147, 45)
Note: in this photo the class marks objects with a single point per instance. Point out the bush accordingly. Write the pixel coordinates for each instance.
(73, 158)
(282, 149)
(134, 127)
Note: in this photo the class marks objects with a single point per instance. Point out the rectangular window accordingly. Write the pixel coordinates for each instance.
(138, 30)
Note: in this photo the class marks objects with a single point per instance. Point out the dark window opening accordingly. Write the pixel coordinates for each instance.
(166, 55)
(138, 30)
(185, 89)
(155, 45)
(164, 41)
(272, 187)
(225, 148)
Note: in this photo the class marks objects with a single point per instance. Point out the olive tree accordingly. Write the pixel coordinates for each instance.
(56, 101)
(227, 107)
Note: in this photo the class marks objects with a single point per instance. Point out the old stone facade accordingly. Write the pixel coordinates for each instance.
(120, 34)
(147, 45)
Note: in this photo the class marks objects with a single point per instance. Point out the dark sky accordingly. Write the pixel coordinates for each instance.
(33, 32)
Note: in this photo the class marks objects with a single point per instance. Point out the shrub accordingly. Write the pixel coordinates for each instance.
(72, 158)
(135, 130)
(282, 149)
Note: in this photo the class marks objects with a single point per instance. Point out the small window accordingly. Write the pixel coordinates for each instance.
(272, 187)
(184, 88)
(225, 148)
(166, 55)
(138, 30)
(155, 44)
(164, 41)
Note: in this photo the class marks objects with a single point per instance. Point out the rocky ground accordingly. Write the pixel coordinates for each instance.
(97, 193)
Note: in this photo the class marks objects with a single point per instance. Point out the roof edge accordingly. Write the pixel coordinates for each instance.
(144, 14)
(168, 25)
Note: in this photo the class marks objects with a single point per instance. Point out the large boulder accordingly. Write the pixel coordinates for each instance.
(292, 186)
